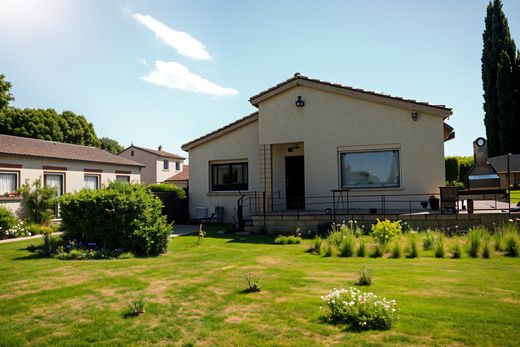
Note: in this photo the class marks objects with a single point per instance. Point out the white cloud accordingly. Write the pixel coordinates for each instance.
(182, 42)
(177, 76)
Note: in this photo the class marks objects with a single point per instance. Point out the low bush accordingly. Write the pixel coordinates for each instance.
(346, 248)
(362, 249)
(122, 216)
(252, 283)
(474, 240)
(439, 250)
(287, 240)
(364, 277)
(361, 311)
(7, 222)
(497, 240)
(512, 244)
(384, 231)
(338, 233)
(136, 306)
(396, 251)
(413, 248)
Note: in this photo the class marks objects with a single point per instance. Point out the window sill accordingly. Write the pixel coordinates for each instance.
(10, 198)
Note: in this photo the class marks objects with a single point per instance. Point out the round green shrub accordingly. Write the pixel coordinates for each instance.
(7, 221)
(121, 217)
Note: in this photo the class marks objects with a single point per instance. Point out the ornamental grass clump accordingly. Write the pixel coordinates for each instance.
(428, 240)
(378, 251)
(317, 242)
(252, 283)
(338, 233)
(329, 250)
(385, 231)
(413, 248)
(456, 250)
(287, 240)
(439, 250)
(475, 236)
(346, 247)
(512, 244)
(361, 311)
(396, 251)
(362, 249)
(486, 250)
(364, 277)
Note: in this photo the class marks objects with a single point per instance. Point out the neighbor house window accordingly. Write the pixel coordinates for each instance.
(374, 169)
(124, 179)
(166, 164)
(91, 181)
(177, 166)
(132, 153)
(228, 177)
(8, 182)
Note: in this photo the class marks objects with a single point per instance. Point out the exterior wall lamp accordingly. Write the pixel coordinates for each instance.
(414, 115)
(299, 102)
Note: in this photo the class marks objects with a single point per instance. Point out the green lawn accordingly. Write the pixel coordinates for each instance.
(515, 197)
(194, 297)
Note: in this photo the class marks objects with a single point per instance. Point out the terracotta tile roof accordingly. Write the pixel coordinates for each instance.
(249, 117)
(500, 163)
(23, 146)
(184, 175)
(297, 77)
(160, 153)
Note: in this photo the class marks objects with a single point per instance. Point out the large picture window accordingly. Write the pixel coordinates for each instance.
(229, 177)
(374, 169)
(8, 182)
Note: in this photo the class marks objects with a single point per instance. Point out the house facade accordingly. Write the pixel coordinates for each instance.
(182, 178)
(68, 167)
(159, 164)
(507, 168)
(310, 138)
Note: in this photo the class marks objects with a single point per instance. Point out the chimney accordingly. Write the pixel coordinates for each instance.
(480, 151)
(160, 148)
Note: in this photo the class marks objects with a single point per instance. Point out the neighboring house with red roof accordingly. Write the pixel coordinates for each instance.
(159, 164)
(68, 167)
(182, 178)
(309, 137)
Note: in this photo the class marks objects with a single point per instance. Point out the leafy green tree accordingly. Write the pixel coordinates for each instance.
(40, 200)
(5, 92)
(496, 39)
(111, 145)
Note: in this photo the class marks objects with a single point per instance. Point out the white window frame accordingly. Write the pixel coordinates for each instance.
(16, 181)
(98, 180)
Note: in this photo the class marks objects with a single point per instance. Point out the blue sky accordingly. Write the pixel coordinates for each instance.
(165, 72)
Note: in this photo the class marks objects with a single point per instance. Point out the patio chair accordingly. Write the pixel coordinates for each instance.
(216, 217)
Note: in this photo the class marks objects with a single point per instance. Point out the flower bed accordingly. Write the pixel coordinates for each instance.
(362, 311)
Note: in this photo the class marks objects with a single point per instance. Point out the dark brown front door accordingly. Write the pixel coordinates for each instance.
(295, 183)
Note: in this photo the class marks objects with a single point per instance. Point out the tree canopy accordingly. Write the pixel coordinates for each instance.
(47, 124)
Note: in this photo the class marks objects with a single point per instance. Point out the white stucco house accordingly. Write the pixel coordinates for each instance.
(159, 164)
(68, 167)
(309, 138)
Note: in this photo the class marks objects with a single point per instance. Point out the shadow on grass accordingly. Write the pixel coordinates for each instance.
(242, 238)
(31, 256)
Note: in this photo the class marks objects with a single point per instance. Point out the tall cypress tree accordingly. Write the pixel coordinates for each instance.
(515, 125)
(496, 39)
(506, 103)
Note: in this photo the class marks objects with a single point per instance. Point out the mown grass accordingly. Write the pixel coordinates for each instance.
(515, 197)
(194, 296)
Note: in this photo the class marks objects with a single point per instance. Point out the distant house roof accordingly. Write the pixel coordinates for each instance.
(184, 175)
(500, 163)
(298, 79)
(23, 146)
(160, 153)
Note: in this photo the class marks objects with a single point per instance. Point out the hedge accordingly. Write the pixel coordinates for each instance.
(122, 216)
